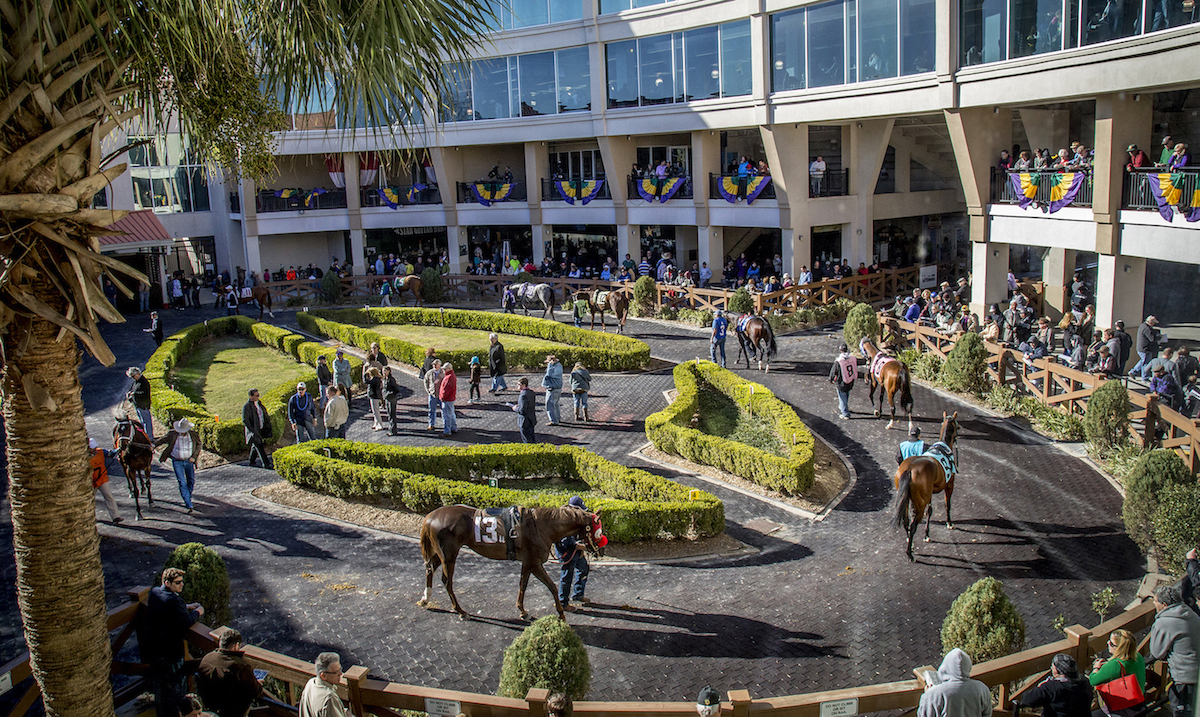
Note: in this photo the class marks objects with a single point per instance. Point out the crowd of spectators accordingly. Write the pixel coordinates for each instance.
(1173, 156)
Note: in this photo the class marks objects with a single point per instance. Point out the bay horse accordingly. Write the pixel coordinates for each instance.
(755, 339)
(447, 529)
(890, 375)
(921, 477)
(258, 295)
(526, 295)
(601, 300)
(413, 283)
(136, 455)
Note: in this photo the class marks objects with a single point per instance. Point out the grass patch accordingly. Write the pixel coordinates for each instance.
(464, 339)
(218, 373)
(720, 416)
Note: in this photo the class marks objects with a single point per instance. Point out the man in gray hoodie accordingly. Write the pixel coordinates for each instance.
(1175, 637)
(956, 694)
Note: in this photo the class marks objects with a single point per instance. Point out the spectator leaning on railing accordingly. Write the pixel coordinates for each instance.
(1137, 158)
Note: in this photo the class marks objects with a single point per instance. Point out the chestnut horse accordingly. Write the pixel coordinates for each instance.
(413, 283)
(755, 339)
(893, 378)
(601, 300)
(136, 455)
(258, 295)
(921, 477)
(447, 529)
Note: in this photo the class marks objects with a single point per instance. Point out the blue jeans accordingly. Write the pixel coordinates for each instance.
(552, 396)
(434, 403)
(1142, 367)
(147, 422)
(580, 401)
(305, 431)
(185, 474)
(712, 352)
(339, 432)
(574, 572)
(449, 420)
(844, 402)
(499, 384)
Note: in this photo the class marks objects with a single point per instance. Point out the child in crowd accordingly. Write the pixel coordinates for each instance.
(476, 371)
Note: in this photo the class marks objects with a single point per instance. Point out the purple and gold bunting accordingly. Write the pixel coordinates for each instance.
(585, 190)
(389, 197)
(413, 191)
(1064, 190)
(286, 193)
(733, 189)
(1192, 213)
(312, 195)
(1169, 195)
(488, 193)
(651, 188)
(1025, 186)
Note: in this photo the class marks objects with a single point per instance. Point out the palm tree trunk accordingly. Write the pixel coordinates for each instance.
(60, 582)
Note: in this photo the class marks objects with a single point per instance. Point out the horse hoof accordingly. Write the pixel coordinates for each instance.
(891, 425)
(423, 603)
(949, 527)
(463, 616)
(911, 559)
(525, 617)
(926, 539)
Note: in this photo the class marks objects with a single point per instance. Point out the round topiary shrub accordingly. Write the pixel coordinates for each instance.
(1143, 486)
(331, 288)
(860, 322)
(1106, 422)
(206, 582)
(984, 623)
(525, 277)
(431, 289)
(645, 294)
(547, 654)
(1176, 525)
(965, 369)
(741, 302)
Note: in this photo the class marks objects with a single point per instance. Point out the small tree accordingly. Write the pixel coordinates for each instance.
(431, 288)
(1103, 601)
(645, 293)
(331, 288)
(966, 367)
(1176, 525)
(206, 580)
(741, 302)
(548, 654)
(524, 278)
(984, 623)
(1152, 472)
(860, 322)
(1106, 423)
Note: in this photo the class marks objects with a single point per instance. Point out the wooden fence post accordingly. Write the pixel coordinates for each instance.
(1078, 637)
(355, 676)
(536, 699)
(739, 701)
(1151, 423)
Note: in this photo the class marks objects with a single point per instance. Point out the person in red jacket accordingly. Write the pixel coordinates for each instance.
(447, 392)
(1137, 158)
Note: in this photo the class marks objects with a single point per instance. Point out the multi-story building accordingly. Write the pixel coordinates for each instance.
(907, 102)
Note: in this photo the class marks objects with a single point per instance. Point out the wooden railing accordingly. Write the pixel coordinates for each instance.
(368, 696)
(869, 288)
(1064, 388)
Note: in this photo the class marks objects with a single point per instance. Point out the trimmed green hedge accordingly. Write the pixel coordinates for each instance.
(635, 505)
(228, 436)
(669, 431)
(597, 351)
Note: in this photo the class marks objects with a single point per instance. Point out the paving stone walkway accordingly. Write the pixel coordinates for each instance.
(820, 605)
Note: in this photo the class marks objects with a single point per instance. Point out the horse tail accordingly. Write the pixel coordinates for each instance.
(906, 399)
(772, 348)
(903, 494)
(427, 548)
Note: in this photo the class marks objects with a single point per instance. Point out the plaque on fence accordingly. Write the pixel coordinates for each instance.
(840, 708)
(928, 278)
(442, 707)
(5, 682)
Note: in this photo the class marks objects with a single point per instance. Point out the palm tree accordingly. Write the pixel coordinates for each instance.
(71, 73)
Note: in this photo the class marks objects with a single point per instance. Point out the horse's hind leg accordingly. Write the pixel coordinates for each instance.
(131, 479)
(146, 487)
(928, 519)
(891, 399)
(521, 593)
(448, 581)
(949, 493)
(912, 530)
(431, 567)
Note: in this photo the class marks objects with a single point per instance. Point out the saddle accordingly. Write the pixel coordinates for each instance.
(743, 320)
(510, 523)
(942, 453)
(527, 292)
(881, 359)
(247, 293)
(600, 298)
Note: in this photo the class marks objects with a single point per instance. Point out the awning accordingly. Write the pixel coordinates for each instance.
(142, 230)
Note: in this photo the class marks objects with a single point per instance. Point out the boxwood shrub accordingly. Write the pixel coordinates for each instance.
(634, 504)
(226, 436)
(669, 431)
(597, 351)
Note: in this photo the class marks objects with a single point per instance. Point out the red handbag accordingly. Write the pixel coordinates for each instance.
(1122, 692)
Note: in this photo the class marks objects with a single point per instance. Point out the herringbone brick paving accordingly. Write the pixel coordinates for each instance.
(819, 606)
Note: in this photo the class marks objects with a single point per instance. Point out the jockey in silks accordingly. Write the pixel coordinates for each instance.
(509, 302)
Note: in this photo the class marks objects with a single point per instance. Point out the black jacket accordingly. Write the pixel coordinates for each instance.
(1059, 698)
(375, 388)
(226, 683)
(324, 375)
(166, 624)
(250, 421)
(527, 406)
(425, 367)
(1191, 585)
(156, 330)
(496, 364)
(139, 392)
(1147, 339)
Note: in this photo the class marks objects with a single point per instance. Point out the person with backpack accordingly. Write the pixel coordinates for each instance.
(842, 374)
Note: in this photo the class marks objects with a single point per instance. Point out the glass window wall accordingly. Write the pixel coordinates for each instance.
(542, 83)
(167, 176)
(489, 88)
(574, 80)
(918, 27)
(703, 63)
(656, 70)
(700, 64)
(737, 73)
(787, 51)
(877, 30)
(622, 68)
(537, 84)
(456, 93)
(826, 45)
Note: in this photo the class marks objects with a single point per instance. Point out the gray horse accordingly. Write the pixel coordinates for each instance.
(525, 295)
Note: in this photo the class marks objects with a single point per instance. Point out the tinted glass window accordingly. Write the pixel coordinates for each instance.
(736, 70)
(574, 80)
(456, 93)
(622, 68)
(877, 39)
(529, 12)
(489, 83)
(826, 45)
(787, 51)
(565, 10)
(657, 73)
(983, 28)
(538, 96)
(702, 63)
(917, 27)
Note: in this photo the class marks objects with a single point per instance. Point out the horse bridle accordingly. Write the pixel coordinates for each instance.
(126, 443)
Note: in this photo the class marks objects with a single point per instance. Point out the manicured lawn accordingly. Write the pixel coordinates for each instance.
(461, 339)
(720, 416)
(219, 373)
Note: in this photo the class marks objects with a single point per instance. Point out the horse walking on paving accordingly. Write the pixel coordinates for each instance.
(524, 534)
(890, 375)
(257, 295)
(526, 295)
(755, 339)
(601, 300)
(136, 455)
(921, 477)
(412, 283)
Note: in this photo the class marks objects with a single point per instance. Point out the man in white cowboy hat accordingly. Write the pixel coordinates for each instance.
(139, 396)
(182, 446)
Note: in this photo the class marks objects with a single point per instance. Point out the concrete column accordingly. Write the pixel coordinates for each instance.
(706, 159)
(760, 50)
(619, 154)
(1120, 290)
(903, 167)
(1047, 129)
(447, 164)
(787, 153)
(358, 254)
(1121, 120)
(1058, 270)
(163, 276)
(541, 235)
(251, 253)
(989, 275)
(868, 145)
(456, 236)
(629, 242)
(711, 249)
(978, 135)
